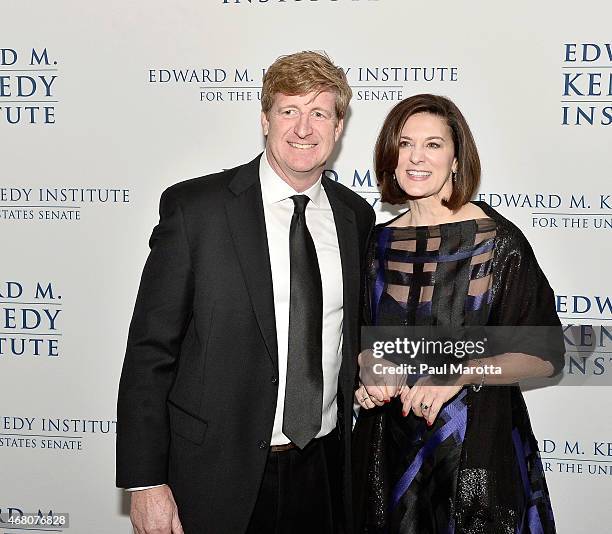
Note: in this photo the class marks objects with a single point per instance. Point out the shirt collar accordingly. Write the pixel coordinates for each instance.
(274, 189)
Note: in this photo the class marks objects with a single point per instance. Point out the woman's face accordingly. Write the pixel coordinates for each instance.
(426, 157)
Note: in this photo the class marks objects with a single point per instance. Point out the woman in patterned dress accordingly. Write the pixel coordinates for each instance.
(458, 457)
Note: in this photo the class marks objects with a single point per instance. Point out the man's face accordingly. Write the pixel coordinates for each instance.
(301, 133)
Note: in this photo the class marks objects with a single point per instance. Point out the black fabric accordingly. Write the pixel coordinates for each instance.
(199, 384)
(300, 491)
(486, 490)
(304, 389)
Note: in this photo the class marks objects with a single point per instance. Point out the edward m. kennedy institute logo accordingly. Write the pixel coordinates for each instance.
(28, 82)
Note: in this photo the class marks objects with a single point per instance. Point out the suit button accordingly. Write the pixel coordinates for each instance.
(274, 380)
(263, 444)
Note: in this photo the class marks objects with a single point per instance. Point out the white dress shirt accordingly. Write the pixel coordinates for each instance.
(278, 211)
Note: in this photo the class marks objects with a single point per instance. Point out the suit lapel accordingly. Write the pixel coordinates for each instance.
(348, 242)
(244, 209)
(245, 215)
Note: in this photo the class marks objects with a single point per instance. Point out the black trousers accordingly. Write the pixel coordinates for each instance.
(300, 491)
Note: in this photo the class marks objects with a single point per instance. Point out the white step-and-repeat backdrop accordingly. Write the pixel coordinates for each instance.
(104, 105)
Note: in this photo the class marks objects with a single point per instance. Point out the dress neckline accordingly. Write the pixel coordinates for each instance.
(477, 220)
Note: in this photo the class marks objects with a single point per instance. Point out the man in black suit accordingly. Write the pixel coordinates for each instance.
(235, 401)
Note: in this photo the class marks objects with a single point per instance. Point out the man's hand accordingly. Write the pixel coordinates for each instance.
(153, 511)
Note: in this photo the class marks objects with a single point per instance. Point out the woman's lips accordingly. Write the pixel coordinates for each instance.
(418, 176)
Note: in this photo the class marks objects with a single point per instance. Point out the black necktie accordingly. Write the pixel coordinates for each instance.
(304, 389)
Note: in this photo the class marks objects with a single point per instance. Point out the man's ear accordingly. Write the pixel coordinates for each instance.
(265, 124)
(338, 130)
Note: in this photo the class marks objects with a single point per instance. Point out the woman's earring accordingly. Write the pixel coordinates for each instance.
(454, 176)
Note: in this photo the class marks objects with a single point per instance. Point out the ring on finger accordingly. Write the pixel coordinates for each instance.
(424, 406)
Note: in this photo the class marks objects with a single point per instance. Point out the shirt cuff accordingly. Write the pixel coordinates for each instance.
(144, 487)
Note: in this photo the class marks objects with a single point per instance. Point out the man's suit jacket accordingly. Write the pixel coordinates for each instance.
(198, 389)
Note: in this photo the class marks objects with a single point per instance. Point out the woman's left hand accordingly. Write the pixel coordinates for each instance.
(426, 399)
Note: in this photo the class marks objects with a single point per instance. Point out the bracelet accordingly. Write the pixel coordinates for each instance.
(482, 381)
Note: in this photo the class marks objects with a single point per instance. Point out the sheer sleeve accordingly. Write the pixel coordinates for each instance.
(523, 298)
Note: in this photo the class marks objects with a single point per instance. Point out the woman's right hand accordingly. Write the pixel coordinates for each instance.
(365, 399)
(375, 387)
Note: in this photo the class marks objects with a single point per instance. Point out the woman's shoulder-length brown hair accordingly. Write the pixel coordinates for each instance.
(386, 152)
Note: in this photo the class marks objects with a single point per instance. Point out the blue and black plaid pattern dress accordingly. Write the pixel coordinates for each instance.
(477, 469)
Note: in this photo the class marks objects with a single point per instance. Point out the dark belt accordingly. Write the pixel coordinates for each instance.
(283, 448)
(333, 435)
